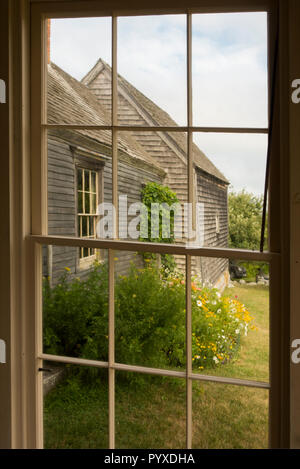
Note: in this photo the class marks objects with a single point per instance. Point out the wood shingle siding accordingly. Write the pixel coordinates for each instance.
(62, 210)
(142, 157)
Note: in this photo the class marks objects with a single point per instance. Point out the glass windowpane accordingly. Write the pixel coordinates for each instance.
(80, 205)
(84, 227)
(79, 179)
(93, 181)
(86, 180)
(87, 203)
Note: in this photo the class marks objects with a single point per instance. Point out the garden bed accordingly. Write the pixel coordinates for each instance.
(149, 319)
(150, 412)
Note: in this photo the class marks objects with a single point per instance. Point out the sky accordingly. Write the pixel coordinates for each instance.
(229, 76)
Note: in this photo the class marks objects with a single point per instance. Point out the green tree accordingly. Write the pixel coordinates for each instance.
(245, 218)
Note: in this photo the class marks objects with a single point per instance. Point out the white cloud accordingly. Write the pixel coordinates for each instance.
(240, 157)
(229, 75)
(152, 56)
(77, 44)
(230, 70)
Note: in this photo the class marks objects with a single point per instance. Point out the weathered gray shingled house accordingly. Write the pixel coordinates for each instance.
(79, 167)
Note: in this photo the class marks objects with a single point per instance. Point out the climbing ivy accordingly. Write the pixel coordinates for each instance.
(154, 193)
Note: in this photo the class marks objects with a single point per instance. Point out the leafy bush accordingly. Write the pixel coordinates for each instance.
(218, 324)
(149, 316)
(75, 314)
(253, 268)
(154, 193)
(149, 319)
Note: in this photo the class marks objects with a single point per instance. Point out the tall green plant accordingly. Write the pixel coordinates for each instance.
(75, 314)
(149, 319)
(154, 193)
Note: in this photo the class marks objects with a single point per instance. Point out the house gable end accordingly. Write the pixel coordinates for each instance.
(99, 78)
(134, 110)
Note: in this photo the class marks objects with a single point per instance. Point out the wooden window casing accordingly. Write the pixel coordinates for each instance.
(87, 209)
(39, 13)
(94, 165)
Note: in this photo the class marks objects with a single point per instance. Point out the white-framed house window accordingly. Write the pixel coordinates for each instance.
(89, 188)
(86, 210)
(87, 192)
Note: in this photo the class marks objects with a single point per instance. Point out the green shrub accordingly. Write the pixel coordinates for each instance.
(154, 193)
(253, 268)
(75, 315)
(149, 319)
(218, 324)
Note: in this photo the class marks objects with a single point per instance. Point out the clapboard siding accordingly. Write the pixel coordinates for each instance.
(102, 89)
(62, 207)
(152, 142)
(214, 197)
(210, 191)
(61, 196)
(143, 157)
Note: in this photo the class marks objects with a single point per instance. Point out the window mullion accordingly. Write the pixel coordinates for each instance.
(191, 192)
(153, 128)
(189, 383)
(158, 248)
(115, 123)
(111, 286)
(111, 349)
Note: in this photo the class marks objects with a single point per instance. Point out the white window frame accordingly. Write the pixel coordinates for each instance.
(39, 237)
(86, 261)
(88, 161)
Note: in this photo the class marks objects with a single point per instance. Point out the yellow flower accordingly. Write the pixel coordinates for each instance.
(67, 269)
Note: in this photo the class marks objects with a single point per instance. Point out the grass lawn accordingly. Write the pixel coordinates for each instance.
(151, 414)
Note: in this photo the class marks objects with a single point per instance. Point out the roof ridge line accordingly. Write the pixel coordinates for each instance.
(181, 152)
(76, 88)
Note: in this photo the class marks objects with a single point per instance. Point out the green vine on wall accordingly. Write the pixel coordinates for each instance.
(154, 193)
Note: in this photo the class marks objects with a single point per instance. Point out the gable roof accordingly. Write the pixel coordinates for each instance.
(71, 102)
(156, 117)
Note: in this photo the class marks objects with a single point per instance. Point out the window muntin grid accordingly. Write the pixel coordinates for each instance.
(39, 226)
(86, 207)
